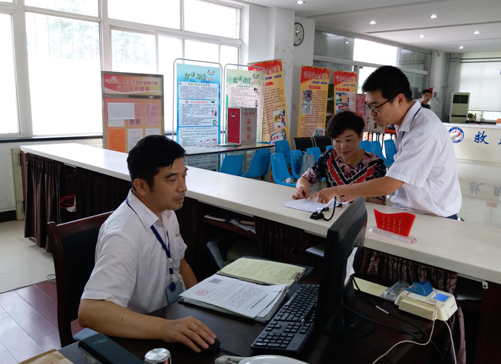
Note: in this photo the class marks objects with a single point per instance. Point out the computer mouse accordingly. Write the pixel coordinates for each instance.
(215, 346)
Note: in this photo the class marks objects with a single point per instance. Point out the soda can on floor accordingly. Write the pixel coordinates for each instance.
(158, 356)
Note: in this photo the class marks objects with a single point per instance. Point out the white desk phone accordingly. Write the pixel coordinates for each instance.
(259, 359)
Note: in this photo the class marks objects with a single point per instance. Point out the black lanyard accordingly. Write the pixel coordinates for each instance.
(159, 238)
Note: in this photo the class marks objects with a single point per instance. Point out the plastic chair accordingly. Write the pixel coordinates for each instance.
(232, 164)
(329, 147)
(315, 151)
(377, 150)
(296, 162)
(303, 143)
(73, 245)
(366, 145)
(390, 149)
(282, 146)
(259, 165)
(323, 142)
(280, 172)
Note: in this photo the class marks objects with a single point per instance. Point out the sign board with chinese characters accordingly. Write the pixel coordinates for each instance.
(313, 96)
(242, 125)
(472, 142)
(276, 121)
(132, 108)
(345, 91)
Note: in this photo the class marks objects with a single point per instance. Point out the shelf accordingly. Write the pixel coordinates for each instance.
(230, 227)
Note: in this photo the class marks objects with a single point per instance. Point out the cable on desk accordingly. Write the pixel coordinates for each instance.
(370, 347)
(371, 302)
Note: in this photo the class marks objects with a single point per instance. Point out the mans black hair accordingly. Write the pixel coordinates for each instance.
(426, 91)
(391, 81)
(149, 155)
(343, 121)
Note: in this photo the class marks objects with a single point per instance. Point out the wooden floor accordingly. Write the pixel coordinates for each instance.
(28, 322)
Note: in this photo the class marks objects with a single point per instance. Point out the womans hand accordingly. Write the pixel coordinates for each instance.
(326, 194)
(300, 193)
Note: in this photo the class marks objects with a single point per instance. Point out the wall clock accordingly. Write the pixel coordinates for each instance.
(298, 34)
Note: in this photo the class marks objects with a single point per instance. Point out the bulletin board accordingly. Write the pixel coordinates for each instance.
(132, 108)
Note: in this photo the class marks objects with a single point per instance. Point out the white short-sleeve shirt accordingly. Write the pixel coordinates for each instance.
(426, 162)
(131, 266)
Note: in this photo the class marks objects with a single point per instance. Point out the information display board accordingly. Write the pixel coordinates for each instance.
(345, 91)
(313, 101)
(198, 105)
(132, 108)
(275, 122)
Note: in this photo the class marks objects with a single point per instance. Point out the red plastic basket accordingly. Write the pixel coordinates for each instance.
(399, 223)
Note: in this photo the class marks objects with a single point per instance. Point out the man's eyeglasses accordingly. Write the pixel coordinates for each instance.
(375, 108)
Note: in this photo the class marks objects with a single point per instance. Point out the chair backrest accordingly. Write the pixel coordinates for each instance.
(303, 143)
(73, 245)
(366, 145)
(329, 147)
(259, 165)
(232, 164)
(323, 142)
(377, 150)
(282, 146)
(314, 151)
(390, 149)
(296, 162)
(279, 169)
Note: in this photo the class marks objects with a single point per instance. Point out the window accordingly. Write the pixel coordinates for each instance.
(210, 18)
(133, 52)
(481, 79)
(164, 13)
(8, 92)
(84, 7)
(229, 55)
(200, 51)
(64, 68)
(372, 52)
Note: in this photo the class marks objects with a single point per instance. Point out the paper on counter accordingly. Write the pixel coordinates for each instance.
(244, 298)
(305, 205)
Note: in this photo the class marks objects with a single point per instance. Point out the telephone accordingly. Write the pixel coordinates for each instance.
(259, 359)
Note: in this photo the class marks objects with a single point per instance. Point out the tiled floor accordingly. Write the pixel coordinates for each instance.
(22, 262)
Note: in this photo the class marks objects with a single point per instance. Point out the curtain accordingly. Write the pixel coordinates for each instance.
(45, 187)
(97, 193)
(386, 269)
(277, 240)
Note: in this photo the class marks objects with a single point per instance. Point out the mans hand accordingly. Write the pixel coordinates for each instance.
(326, 194)
(300, 193)
(347, 198)
(190, 332)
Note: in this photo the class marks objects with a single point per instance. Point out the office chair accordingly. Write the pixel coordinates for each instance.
(303, 143)
(315, 152)
(323, 142)
(390, 150)
(279, 169)
(377, 150)
(73, 246)
(366, 145)
(296, 163)
(329, 147)
(232, 164)
(259, 166)
(282, 146)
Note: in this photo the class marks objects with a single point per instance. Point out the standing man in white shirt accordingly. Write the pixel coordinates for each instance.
(423, 176)
(140, 265)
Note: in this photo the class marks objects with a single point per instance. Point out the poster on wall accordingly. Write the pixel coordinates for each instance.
(345, 91)
(313, 101)
(362, 111)
(198, 105)
(275, 121)
(132, 109)
(245, 89)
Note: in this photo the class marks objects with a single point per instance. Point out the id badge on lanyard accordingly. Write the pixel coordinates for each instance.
(174, 288)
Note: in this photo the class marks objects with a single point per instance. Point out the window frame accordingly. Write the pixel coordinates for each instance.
(18, 11)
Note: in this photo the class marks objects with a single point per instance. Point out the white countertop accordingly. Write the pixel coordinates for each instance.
(473, 125)
(469, 249)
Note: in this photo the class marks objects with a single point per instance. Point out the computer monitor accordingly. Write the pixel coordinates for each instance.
(344, 239)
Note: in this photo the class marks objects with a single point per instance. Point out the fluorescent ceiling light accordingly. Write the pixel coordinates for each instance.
(421, 36)
(461, 47)
(300, 2)
(347, 42)
(433, 16)
(476, 32)
(372, 22)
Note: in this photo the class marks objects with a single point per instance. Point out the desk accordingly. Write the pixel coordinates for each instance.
(236, 335)
(465, 248)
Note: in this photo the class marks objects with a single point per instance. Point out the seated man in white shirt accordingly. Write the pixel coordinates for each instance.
(423, 176)
(140, 263)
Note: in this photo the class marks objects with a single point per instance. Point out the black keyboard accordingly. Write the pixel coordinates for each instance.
(291, 327)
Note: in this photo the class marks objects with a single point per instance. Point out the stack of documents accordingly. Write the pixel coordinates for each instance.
(237, 297)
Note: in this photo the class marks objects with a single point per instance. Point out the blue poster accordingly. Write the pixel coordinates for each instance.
(198, 105)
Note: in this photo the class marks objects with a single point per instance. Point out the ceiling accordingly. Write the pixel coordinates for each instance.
(404, 21)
